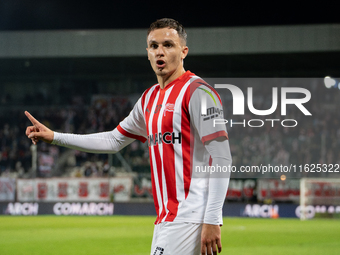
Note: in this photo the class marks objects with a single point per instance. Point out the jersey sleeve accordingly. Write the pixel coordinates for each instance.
(103, 142)
(133, 125)
(209, 124)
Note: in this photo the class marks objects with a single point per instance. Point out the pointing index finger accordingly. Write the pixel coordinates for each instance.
(31, 118)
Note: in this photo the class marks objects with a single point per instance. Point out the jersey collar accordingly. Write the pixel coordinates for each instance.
(181, 78)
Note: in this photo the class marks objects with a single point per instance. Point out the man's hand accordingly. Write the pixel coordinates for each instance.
(210, 238)
(38, 131)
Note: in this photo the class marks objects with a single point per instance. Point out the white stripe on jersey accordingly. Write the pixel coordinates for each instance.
(147, 98)
(160, 148)
(152, 156)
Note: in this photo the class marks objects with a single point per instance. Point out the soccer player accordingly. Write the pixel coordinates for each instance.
(176, 117)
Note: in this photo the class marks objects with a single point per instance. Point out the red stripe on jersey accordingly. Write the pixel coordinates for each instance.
(158, 163)
(149, 105)
(147, 113)
(154, 193)
(188, 136)
(187, 150)
(124, 132)
(213, 136)
(155, 148)
(169, 153)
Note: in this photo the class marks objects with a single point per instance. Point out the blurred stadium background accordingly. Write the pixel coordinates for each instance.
(85, 77)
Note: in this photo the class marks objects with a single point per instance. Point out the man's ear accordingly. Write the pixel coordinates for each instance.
(148, 53)
(185, 51)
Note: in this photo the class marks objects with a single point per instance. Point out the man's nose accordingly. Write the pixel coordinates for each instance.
(160, 51)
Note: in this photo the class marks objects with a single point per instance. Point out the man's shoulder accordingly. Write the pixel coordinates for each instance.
(199, 88)
(198, 84)
(196, 81)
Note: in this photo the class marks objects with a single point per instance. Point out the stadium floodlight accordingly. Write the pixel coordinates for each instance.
(329, 82)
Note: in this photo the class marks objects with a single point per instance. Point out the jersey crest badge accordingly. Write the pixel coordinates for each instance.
(169, 108)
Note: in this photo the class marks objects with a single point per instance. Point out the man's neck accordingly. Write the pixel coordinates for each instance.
(163, 81)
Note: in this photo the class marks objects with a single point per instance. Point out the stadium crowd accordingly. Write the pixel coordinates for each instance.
(315, 139)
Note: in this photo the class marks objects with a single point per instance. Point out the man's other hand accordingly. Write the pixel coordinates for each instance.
(211, 239)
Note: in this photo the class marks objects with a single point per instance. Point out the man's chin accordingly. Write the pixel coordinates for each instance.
(160, 72)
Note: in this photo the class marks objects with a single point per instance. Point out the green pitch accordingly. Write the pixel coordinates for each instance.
(132, 235)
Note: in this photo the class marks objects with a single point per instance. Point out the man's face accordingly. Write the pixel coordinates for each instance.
(166, 51)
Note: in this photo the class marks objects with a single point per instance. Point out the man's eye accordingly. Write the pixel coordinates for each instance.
(154, 46)
(168, 45)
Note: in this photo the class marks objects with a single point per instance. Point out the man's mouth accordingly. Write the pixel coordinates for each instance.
(160, 63)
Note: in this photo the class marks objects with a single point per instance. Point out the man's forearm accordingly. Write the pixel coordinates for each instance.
(105, 142)
(218, 182)
(218, 187)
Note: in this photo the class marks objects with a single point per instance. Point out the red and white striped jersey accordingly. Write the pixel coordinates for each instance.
(170, 120)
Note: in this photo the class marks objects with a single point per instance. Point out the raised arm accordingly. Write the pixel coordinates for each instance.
(131, 128)
(104, 142)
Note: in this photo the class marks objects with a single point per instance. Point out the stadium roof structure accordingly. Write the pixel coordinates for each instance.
(265, 51)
